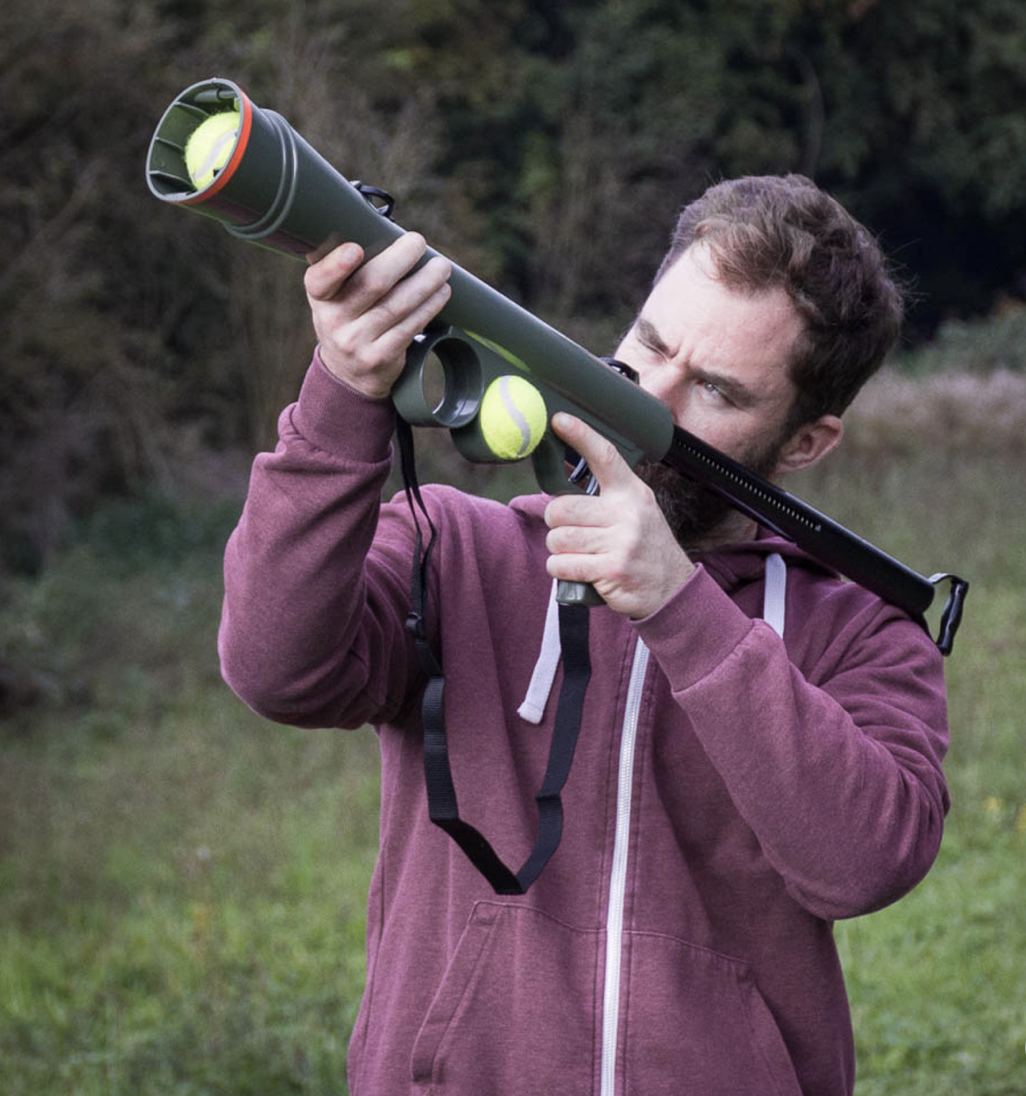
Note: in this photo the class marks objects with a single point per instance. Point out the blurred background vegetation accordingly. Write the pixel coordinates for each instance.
(545, 146)
(181, 885)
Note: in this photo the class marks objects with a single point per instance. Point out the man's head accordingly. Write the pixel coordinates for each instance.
(783, 231)
(771, 309)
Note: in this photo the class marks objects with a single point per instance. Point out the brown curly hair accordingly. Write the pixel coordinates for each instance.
(782, 230)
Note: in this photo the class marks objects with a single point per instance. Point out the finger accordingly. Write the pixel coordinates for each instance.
(331, 241)
(390, 324)
(574, 568)
(603, 458)
(379, 276)
(577, 540)
(396, 337)
(408, 297)
(342, 275)
(326, 275)
(578, 509)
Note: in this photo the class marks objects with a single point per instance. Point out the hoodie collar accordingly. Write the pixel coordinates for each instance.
(736, 565)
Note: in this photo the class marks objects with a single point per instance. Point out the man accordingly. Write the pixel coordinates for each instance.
(739, 783)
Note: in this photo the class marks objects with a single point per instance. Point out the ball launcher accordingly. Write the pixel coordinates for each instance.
(266, 185)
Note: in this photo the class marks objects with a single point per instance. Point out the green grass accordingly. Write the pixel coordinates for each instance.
(182, 885)
(190, 917)
(937, 982)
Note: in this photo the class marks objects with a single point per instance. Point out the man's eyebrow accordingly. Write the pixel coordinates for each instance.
(738, 394)
(648, 334)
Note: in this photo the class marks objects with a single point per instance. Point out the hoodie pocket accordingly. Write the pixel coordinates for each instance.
(515, 1011)
(696, 1021)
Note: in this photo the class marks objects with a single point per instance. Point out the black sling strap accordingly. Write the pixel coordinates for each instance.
(441, 792)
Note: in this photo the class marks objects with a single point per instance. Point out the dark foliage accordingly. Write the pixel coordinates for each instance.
(547, 147)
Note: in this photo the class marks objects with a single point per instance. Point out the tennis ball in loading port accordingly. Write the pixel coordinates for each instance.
(210, 146)
(513, 417)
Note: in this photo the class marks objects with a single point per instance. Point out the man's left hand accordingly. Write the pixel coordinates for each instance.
(617, 540)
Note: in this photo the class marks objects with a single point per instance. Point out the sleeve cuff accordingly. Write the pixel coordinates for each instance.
(695, 631)
(336, 418)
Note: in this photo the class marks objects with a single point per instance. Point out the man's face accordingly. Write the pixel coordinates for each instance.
(718, 359)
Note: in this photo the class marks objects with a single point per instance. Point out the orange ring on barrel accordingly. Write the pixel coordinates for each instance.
(246, 111)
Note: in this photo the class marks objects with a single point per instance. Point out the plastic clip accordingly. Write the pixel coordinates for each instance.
(952, 615)
(375, 195)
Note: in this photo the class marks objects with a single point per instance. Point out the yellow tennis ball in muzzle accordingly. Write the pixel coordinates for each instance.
(513, 417)
(210, 146)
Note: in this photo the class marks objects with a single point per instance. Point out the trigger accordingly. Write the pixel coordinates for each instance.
(580, 472)
(580, 467)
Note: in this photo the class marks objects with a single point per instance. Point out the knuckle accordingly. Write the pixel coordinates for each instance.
(344, 338)
(557, 539)
(375, 283)
(646, 495)
(441, 268)
(605, 451)
(391, 311)
(315, 284)
(370, 359)
(607, 447)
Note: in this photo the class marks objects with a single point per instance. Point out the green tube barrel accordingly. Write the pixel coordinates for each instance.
(276, 191)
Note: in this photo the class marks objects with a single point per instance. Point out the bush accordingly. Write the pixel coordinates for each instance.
(993, 343)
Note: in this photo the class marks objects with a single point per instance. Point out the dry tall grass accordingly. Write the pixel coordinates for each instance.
(957, 412)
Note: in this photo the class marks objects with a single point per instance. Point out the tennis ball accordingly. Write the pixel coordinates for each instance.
(513, 417)
(210, 145)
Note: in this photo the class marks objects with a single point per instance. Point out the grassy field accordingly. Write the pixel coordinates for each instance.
(182, 885)
(937, 982)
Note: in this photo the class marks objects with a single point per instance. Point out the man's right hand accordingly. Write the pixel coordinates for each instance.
(366, 316)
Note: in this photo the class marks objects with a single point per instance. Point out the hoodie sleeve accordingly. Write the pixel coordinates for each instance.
(312, 627)
(836, 770)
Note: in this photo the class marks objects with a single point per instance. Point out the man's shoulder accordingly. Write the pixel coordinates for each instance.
(841, 623)
(829, 619)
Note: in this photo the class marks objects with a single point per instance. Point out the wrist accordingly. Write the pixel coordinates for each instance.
(675, 576)
(335, 417)
(372, 385)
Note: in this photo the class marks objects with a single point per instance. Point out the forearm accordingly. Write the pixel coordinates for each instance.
(841, 779)
(311, 629)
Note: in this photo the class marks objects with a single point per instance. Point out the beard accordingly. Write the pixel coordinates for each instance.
(698, 517)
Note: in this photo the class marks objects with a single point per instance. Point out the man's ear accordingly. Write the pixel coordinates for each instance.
(810, 443)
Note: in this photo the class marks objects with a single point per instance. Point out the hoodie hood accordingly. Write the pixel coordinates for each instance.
(736, 565)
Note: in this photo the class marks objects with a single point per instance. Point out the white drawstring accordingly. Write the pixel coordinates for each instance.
(774, 598)
(533, 707)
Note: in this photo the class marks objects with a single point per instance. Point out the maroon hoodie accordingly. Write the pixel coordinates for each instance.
(733, 792)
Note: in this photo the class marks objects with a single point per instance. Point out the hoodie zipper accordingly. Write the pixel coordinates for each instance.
(618, 874)
(773, 612)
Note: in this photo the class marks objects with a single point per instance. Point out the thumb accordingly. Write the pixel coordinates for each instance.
(603, 458)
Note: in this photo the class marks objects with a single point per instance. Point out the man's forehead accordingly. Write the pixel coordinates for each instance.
(693, 318)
